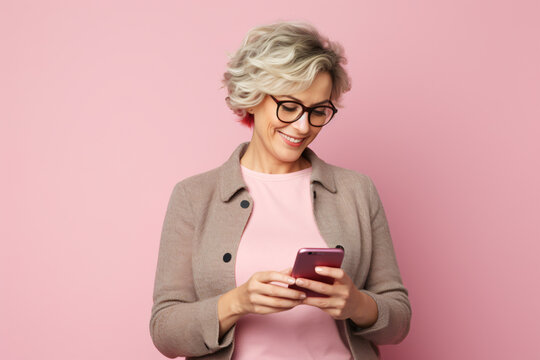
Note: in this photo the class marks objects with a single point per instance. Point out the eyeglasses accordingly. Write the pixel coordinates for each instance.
(289, 111)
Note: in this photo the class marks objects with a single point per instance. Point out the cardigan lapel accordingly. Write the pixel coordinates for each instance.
(231, 180)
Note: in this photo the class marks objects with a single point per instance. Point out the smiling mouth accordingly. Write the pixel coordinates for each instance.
(291, 138)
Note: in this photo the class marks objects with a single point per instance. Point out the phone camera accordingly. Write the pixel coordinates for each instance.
(310, 253)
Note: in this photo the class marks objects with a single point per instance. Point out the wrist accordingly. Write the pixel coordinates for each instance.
(366, 312)
(231, 303)
(235, 305)
(228, 311)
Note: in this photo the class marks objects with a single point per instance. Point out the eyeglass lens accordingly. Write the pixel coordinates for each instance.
(290, 111)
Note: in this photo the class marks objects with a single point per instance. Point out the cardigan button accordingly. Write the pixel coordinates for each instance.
(227, 257)
(244, 204)
(340, 247)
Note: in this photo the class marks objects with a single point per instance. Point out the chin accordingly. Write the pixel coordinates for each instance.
(289, 155)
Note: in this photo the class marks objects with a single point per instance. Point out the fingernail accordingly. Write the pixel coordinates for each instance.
(318, 269)
(291, 280)
(299, 282)
(302, 296)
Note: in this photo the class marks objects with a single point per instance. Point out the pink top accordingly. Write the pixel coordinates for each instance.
(282, 222)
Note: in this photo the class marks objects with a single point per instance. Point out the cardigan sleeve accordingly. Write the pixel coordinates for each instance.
(181, 324)
(384, 282)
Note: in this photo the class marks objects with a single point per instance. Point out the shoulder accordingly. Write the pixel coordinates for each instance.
(208, 182)
(351, 180)
(357, 187)
(199, 184)
(203, 179)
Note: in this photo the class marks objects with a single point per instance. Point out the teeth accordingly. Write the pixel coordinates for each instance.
(291, 139)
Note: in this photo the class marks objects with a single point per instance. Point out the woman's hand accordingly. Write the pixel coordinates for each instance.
(344, 300)
(257, 296)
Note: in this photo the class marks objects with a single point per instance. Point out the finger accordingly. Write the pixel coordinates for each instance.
(317, 286)
(274, 302)
(336, 273)
(332, 312)
(268, 276)
(263, 310)
(324, 302)
(280, 291)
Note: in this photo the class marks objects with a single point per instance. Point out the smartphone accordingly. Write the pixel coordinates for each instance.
(308, 258)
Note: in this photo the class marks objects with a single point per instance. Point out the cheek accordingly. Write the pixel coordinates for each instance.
(314, 134)
(317, 130)
(273, 123)
(269, 128)
(267, 118)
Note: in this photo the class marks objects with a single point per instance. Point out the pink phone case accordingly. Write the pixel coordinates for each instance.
(308, 258)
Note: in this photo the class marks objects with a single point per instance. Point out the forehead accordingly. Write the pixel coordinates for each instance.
(320, 90)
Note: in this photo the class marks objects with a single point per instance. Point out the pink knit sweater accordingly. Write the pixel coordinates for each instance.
(282, 222)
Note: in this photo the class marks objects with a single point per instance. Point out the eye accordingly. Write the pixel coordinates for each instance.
(320, 112)
(290, 107)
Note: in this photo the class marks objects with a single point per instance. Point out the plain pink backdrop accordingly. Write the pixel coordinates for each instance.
(105, 105)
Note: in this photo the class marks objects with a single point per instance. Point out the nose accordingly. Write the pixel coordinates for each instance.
(302, 124)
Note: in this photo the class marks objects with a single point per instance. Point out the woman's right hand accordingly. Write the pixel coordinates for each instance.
(259, 296)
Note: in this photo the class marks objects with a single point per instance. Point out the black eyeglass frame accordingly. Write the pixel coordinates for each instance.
(304, 109)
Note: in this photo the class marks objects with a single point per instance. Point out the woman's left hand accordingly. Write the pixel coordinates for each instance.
(344, 299)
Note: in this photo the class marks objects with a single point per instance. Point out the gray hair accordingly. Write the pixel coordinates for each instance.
(281, 59)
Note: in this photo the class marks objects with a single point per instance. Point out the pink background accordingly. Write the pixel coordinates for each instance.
(104, 106)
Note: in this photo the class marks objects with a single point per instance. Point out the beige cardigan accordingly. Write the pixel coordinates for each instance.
(205, 218)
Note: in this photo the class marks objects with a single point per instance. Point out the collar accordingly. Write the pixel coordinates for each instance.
(231, 180)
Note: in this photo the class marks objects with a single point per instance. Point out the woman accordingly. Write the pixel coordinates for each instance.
(230, 235)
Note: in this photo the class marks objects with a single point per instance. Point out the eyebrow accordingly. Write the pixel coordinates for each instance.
(319, 103)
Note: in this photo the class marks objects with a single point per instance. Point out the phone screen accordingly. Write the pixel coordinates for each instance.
(308, 258)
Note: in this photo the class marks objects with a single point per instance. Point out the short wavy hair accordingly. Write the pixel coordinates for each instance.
(282, 58)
